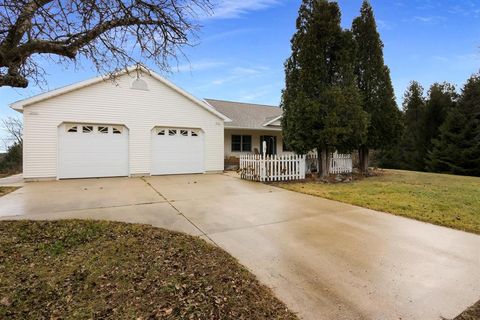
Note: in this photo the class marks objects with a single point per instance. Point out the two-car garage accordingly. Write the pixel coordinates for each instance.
(99, 128)
(101, 150)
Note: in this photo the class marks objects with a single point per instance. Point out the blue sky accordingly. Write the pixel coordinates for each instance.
(242, 47)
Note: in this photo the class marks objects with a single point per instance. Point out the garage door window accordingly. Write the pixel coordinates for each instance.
(72, 128)
(161, 132)
(194, 133)
(172, 132)
(184, 133)
(117, 130)
(102, 129)
(87, 129)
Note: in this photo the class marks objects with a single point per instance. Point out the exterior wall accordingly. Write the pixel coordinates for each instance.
(117, 103)
(255, 140)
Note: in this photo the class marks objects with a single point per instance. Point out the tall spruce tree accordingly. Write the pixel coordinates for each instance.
(412, 143)
(375, 84)
(457, 150)
(321, 102)
(442, 98)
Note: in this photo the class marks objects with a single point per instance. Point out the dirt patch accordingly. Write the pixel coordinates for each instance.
(106, 270)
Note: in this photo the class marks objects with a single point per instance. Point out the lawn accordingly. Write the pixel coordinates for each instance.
(6, 190)
(105, 270)
(447, 200)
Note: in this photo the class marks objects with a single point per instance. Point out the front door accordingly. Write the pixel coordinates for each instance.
(271, 144)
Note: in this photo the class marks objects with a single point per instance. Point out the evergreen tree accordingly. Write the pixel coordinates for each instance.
(442, 98)
(412, 143)
(457, 150)
(321, 102)
(374, 82)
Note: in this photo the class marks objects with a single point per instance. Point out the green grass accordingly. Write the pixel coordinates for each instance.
(105, 270)
(447, 200)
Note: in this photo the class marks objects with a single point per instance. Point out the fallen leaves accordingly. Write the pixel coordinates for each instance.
(90, 270)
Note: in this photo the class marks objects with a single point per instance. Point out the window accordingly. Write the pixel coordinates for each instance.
(241, 143)
(87, 129)
(117, 130)
(161, 132)
(194, 133)
(72, 129)
(102, 129)
(172, 132)
(184, 133)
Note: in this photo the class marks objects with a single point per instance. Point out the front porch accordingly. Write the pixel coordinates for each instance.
(249, 141)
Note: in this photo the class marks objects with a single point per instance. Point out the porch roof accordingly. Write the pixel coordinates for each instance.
(247, 115)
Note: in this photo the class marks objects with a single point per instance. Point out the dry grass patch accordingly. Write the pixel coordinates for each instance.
(7, 190)
(472, 313)
(105, 270)
(447, 200)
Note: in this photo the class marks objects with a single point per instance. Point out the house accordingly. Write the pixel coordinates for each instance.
(251, 125)
(140, 124)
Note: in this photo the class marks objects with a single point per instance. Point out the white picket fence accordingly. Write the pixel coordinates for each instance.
(272, 168)
(339, 163)
(286, 167)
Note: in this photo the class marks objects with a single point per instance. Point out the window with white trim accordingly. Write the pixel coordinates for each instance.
(161, 132)
(194, 133)
(184, 133)
(87, 129)
(172, 132)
(241, 143)
(72, 129)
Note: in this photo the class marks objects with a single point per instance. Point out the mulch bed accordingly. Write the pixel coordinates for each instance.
(105, 270)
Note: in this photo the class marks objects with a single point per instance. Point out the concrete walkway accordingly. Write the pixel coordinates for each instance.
(325, 259)
(12, 181)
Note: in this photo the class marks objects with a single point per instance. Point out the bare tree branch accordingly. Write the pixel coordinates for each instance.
(111, 33)
(14, 128)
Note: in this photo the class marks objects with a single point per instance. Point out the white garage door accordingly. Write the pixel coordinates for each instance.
(88, 150)
(177, 151)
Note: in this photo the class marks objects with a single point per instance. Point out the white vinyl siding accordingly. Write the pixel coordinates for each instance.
(116, 103)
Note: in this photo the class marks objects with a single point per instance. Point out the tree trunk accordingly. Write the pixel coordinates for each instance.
(363, 154)
(323, 167)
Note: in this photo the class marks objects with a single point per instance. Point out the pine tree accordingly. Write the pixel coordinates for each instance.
(457, 150)
(321, 102)
(441, 99)
(412, 143)
(375, 85)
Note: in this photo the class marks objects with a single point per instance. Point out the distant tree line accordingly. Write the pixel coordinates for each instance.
(441, 130)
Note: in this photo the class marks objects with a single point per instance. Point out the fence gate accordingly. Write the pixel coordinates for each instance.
(272, 168)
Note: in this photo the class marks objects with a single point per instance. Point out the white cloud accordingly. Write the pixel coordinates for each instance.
(200, 66)
(227, 9)
(238, 73)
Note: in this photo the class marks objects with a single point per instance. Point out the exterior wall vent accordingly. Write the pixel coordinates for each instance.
(139, 84)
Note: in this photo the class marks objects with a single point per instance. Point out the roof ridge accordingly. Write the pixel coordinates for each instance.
(255, 104)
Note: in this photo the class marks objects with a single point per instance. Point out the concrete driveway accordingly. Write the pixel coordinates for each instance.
(325, 259)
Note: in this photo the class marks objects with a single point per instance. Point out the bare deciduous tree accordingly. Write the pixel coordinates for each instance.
(13, 128)
(111, 33)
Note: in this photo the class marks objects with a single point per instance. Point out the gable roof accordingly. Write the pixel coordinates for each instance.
(19, 105)
(248, 115)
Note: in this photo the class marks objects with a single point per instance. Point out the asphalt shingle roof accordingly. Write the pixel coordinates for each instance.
(245, 115)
